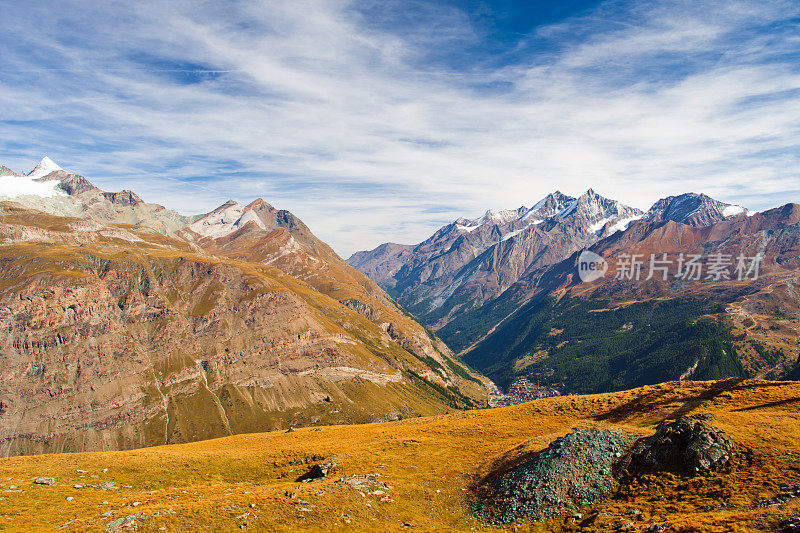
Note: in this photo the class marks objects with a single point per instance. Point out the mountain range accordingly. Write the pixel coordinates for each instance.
(470, 262)
(505, 293)
(126, 324)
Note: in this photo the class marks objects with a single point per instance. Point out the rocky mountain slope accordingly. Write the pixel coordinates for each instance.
(118, 336)
(428, 474)
(469, 262)
(504, 296)
(693, 209)
(690, 307)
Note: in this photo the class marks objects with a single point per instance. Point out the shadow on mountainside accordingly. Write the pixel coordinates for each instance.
(662, 398)
(768, 404)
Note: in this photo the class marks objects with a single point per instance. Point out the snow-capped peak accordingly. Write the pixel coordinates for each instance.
(497, 217)
(594, 211)
(46, 166)
(549, 206)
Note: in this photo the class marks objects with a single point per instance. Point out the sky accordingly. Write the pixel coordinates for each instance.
(380, 121)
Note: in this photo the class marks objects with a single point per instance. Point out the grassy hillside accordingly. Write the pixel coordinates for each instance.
(415, 475)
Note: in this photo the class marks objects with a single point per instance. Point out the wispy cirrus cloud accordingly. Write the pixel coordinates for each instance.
(377, 122)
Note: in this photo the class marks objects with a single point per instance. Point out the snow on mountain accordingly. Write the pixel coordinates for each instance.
(513, 234)
(467, 228)
(623, 224)
(13, 185)
(733, 210)
(46, 166)
(596, 210)
(553, 204)
(597, 226)
(16, 186)
(593, 210)
(499, 217)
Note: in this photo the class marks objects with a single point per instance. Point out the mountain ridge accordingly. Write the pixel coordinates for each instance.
(125, 328)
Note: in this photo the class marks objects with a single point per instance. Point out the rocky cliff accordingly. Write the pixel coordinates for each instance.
(117, 336)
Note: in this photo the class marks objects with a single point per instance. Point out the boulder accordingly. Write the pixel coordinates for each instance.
(316, 472)
(686, 446)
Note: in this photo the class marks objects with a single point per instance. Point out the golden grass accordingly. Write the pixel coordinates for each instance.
(428, 465)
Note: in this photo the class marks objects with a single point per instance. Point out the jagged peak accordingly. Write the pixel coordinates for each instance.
(258, 203)
(43, 168)
(694, 209)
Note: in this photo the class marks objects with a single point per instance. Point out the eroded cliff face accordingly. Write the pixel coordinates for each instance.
(116, 337)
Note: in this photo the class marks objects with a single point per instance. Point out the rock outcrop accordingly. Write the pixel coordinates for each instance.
(573, 472)
(469, 262)
(588, 466)
(687, 446)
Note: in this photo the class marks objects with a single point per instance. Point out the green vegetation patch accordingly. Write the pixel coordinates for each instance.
(602, 348)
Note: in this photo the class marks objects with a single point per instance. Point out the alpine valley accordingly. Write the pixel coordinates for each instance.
(296, 395)
(125, 324)
(503, 291)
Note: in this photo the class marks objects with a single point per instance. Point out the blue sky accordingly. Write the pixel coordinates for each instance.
(381, 121)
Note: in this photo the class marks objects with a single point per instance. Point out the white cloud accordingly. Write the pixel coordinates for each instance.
(352, 128)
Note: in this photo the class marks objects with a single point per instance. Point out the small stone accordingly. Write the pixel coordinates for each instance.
(70, 498)
(44, 481)
(76, 486)
(136, 504)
